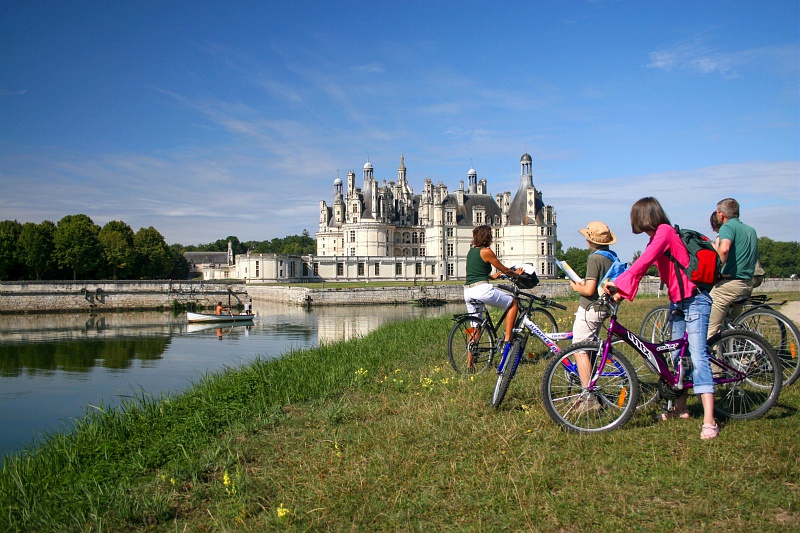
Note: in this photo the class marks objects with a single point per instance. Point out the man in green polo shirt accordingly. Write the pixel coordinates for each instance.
(738, 251)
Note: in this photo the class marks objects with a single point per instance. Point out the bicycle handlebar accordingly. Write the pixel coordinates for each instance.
(515, 290)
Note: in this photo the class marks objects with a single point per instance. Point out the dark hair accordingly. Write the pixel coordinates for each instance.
(482, 236)
(646, 215)
(715, 225)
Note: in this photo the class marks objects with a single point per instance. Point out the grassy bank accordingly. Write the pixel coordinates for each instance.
(378, 434)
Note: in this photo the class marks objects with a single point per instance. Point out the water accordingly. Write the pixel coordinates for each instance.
(54, 367)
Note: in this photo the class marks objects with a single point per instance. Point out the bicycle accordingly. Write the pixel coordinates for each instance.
(779, 330)
(476, 339)
(747, 377)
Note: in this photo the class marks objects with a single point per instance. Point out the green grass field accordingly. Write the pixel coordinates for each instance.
(379, 434)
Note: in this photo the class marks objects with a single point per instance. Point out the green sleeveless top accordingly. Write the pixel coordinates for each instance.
(477, 268)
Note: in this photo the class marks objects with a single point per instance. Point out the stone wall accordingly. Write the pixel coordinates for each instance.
(45, 297)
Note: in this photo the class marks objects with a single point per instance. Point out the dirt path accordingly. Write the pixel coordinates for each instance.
(792, 310)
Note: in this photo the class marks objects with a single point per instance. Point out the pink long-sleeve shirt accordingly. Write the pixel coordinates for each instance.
(665, 239)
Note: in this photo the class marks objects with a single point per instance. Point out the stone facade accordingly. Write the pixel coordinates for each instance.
(386, 232)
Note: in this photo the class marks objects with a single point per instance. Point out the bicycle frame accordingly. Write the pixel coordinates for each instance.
(652, 355)
(524, 320)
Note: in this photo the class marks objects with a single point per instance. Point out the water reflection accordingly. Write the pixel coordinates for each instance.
(53, 366)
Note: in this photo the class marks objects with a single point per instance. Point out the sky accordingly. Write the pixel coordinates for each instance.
(212, 119)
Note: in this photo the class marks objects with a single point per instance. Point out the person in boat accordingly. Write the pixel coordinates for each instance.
(221, 310)
(248, 307)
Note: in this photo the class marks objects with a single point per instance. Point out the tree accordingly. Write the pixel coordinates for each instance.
(9, 235)
(577, 257)
(77, 247)
(154, 259)
(116, 239)
(35, 249)
(180, 266)
(779, 259)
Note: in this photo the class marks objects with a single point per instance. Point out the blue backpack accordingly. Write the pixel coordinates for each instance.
(617, 267)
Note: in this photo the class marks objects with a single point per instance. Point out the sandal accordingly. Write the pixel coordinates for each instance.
(709, 432)
(669, 415)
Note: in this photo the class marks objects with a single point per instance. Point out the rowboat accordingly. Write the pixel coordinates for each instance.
(209, 319)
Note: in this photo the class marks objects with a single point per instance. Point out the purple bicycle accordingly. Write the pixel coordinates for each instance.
(747, 376)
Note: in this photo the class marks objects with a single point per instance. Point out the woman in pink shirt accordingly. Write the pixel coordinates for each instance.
(690, 306)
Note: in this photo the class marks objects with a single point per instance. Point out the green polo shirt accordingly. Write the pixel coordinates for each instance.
(743, 253)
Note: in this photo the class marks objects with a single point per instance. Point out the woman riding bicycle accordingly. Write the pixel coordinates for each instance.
(689, 313)
(480, 260)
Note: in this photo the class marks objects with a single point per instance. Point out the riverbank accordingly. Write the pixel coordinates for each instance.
(97, 296)
(378, 434)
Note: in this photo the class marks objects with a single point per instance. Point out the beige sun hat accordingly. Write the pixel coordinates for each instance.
(598, 233)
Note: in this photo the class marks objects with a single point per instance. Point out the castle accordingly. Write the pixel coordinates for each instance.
(385, 232)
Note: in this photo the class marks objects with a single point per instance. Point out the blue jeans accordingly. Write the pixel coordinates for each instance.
(695, 310)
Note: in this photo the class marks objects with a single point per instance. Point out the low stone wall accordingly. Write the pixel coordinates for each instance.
(46, 297)
(449, 293)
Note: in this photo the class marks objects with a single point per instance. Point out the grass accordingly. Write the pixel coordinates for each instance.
(379, 434)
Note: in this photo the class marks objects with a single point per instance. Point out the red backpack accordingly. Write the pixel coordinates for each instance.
(704, 263)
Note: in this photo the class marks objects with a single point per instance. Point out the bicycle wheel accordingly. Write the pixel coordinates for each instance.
(470, 347)
(780, 332)
(616, 391)
(536, 349)
(507, 371)
(648, 380)
(737, 352)
(656, 326)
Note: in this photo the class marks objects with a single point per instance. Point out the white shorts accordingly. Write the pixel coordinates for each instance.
(587, 324)
(488, 294)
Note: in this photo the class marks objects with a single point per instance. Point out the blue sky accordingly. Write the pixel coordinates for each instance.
(210, 119)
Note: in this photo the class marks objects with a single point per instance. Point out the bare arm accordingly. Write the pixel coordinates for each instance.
(586, 288)
(723, 249)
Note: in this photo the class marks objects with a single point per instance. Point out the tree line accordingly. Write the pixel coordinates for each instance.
(77, 248)
(293, 245)
(778, 259)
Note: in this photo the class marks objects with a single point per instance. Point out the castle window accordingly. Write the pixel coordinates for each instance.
(449, 250)
(479, 218)
(418, 269)
(542, 248)
(449, 232)
(449, 217)
(377, 269)
(352, 236)
(450, 269)
(352, 251)
(398, 269)
(316, 269)
(361, 269)
(340, 269)
(414, 237)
